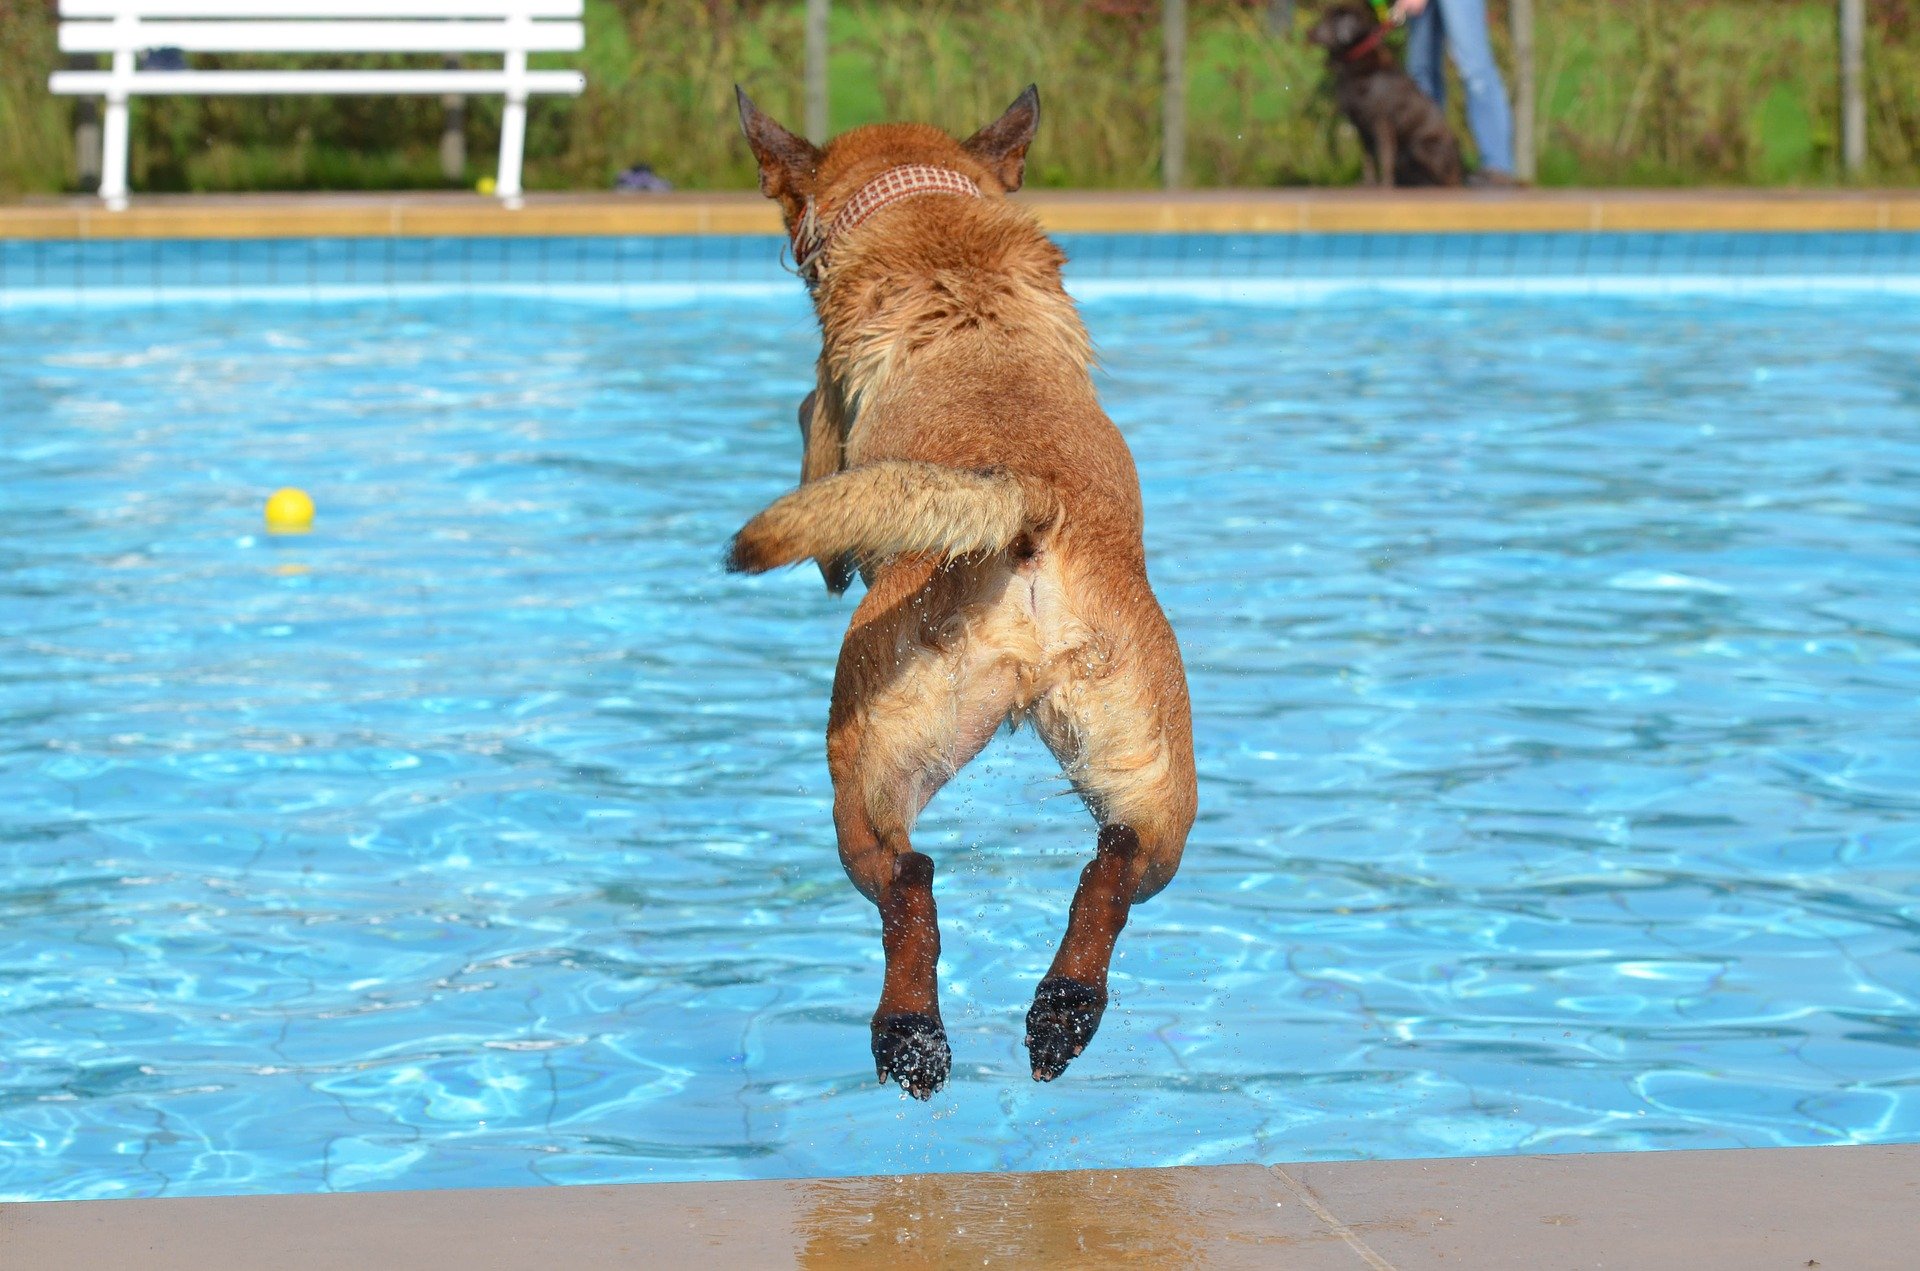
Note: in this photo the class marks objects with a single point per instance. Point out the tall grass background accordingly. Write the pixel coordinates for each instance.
(1641, 92)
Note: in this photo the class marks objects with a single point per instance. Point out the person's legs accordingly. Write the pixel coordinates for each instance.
(1489, 114)
(1423, 54)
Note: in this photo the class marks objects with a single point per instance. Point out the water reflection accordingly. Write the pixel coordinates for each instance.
(1172, 1219)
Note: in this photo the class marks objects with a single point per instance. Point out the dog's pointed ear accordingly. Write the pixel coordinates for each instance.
(786, 161)
(1002, 144)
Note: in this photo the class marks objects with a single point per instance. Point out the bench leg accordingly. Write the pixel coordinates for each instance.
(513, 142)
(113, 155)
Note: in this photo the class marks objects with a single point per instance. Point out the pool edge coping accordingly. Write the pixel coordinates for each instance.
(1827, 1207)
(430, 215)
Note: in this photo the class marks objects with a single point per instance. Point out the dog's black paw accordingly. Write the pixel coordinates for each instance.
(911, 1048)
(1060, 1023)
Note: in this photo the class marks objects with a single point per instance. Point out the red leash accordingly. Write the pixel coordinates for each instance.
(1373, 41)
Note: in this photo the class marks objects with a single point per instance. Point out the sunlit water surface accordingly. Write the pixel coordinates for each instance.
(1557, 694)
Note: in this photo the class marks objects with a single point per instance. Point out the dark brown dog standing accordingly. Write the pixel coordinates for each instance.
(1406, 136)
(956, 455)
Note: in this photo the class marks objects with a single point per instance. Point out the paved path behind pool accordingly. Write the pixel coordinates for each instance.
(1774, 1209)
(1200, 211)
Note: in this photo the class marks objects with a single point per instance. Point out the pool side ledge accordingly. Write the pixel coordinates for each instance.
(1826, 1208)
(428, 215)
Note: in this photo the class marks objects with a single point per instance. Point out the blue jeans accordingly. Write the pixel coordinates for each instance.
(1462, 24)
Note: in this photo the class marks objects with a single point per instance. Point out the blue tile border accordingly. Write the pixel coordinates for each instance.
(112, 271)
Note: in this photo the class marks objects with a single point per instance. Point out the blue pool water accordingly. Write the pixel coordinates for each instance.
(1555, 668)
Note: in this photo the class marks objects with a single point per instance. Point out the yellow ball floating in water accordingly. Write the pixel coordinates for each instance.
(289, 511)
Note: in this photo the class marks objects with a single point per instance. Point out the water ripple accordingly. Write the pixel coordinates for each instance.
(1554, 660)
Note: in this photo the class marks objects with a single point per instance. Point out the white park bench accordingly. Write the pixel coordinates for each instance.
(127, 28)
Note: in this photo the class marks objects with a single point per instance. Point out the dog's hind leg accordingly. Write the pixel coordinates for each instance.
(1125, 740)
(1070, 1000)
(909, 1038)
(910, 709)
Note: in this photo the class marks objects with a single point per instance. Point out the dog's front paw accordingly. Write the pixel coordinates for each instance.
(911, 1048)
(1060, 1023)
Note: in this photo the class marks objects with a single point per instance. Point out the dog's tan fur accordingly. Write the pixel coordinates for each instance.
(956, 453)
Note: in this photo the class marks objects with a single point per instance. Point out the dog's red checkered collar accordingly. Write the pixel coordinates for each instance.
(811, 237)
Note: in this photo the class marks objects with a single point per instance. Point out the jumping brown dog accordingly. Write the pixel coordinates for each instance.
(956, 455)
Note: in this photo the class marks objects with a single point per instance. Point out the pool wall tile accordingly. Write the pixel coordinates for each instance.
(58, 271)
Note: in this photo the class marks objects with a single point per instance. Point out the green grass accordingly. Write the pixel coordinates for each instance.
(35, 147)
(1632, 92)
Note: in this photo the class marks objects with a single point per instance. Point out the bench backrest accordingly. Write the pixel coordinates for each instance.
(125, 28)
(322, 26)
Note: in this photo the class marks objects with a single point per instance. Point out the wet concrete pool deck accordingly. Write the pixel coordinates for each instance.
(1827, 1208)
(1220, 211)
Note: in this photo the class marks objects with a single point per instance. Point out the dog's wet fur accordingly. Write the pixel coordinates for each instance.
(1406, 136)
(956, 457)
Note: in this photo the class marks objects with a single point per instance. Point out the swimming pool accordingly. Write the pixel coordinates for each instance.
(1555, 675)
